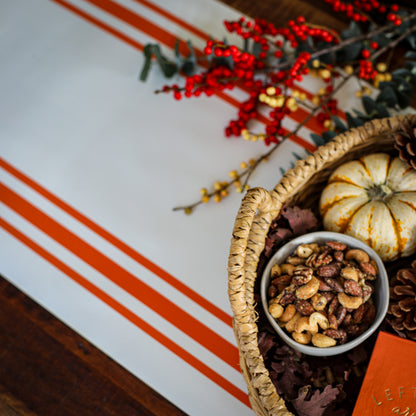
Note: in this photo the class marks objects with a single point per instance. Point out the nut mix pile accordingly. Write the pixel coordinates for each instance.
(322, 294)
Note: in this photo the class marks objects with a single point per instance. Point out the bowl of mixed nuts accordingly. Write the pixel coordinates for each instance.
(324, 293)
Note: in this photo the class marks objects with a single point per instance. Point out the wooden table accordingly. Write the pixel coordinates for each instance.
(48, 369)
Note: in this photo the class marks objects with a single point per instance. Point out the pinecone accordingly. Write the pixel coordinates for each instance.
(405, 143)
(402, 309)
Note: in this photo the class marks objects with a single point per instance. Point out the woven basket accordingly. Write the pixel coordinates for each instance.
(300, 186)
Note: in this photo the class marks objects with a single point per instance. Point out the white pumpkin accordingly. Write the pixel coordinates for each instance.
(374, 200)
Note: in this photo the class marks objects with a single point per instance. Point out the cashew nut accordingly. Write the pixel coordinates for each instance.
(287, 268)
(308, 290)
(323, 341)
(275, 271)
(358, 255)
(351, 273)
(276, 310)
(317, 319)
(302, 324)
(295, 260)
(289, 313)
(302, 338)
(290, 326)
(349, 302)
(304, 251)
(319, 302)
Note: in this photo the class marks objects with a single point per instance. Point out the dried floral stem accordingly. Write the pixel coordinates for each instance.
(246, 174)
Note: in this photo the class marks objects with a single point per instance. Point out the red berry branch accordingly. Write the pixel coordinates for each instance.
(274, 60)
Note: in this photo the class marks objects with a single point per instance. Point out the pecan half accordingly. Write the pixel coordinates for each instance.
(338, 334)
(304, 307)
(302, 275)
(334, 284)
(336, 245)
(329, 270)
(353, 288)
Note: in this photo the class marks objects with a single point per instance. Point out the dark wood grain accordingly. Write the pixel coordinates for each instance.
(281, 11)
(47, 369)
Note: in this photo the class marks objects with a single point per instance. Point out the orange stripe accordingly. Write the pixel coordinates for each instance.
(124, 279)
(142, 24)
(101, 25)
(174, 18)
(154, 268)
(126, 313)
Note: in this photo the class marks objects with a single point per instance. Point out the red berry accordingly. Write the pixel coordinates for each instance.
(365, 53)
(391, 17)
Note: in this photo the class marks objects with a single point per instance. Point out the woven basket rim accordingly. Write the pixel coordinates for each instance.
(258, 208)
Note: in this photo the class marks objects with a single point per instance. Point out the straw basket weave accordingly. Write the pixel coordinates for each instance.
(300, 186)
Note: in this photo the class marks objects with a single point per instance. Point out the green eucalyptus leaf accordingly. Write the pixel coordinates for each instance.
(403, 99)
(340, 126)
(147, 52)
(382, 111)
(354, 121)
(385, 84)
(411, 67)
(318, 140)
(359, 113)
(176, 48)
(353, 31)
(188, 67)
(191, 56)
(401, 72)
(328, 135)
(225, 61)
(246, 45)
(411, 39)
(402, 84)
(388, 96)
(306, 46)
(369, 104)
(410, 55)
(168, 68)
(381, 39)
(256, 49)
(349, 52)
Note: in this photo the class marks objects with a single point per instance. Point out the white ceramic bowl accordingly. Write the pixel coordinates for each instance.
(380, 295)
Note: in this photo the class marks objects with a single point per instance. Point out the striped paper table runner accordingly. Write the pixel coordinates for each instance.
(91, 164)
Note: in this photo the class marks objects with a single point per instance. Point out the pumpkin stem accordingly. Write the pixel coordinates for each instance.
(379, 192)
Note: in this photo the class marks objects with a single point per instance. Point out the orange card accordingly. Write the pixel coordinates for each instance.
(389, 386)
